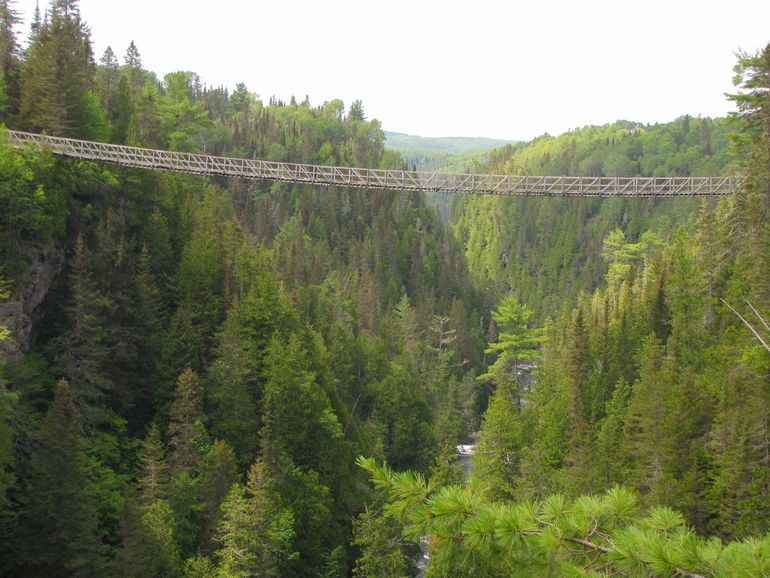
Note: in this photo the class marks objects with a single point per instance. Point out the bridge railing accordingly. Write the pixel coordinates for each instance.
(204, 164)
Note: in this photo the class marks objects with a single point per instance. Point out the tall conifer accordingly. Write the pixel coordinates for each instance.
(58, 73)
(187, 436)
(153, 468)
(58, 524)
(83, 351)
(219, 474)
(9, 56)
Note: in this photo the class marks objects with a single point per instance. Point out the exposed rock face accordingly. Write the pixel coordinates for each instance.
(17, 313)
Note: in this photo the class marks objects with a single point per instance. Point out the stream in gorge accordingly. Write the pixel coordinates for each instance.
(465, 453)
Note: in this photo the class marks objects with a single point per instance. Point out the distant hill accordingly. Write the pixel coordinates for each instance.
(454, 145)
(444, 155)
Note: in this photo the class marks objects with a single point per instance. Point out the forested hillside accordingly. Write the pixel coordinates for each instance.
(455, 154)
(547, 251)
(642, 447)
(191, 366)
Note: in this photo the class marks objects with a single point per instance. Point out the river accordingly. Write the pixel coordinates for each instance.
(465, 453)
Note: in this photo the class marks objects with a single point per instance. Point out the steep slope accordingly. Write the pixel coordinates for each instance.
(549, 250)
(222, 349)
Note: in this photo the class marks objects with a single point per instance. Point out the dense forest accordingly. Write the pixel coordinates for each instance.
(191, 367)
(549, 250)
(448, 154)
(642, 447)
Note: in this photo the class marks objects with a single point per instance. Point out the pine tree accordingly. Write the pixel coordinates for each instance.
(500, 445)
(217, 478)
(383, 551)
(121, 111)
(9, 47)
(107, 79)
(148, 547)
(611, 464)
(9, 57)
(132, 62)
(254, 531)
(83, 352)
(58, 73)
(517, 344)
(158, 524)
(187, 438)
(605, 534)
(752, 74)
(645, 433)
(153, 474)
(578, 367)
(58, 525)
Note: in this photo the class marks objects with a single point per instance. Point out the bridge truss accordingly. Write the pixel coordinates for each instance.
(477, 184)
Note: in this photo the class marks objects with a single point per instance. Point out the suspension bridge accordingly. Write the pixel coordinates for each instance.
(399, 180)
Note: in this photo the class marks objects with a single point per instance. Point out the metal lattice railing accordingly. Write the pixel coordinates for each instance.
(203, 164)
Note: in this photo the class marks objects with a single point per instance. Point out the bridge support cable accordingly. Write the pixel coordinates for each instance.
(475, 184)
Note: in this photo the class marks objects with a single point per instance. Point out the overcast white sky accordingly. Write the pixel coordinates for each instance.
(493, 68)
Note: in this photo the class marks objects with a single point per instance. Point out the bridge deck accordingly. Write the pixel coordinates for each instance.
(477, 184)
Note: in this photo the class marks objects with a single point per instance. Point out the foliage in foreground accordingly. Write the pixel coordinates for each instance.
(602, 535)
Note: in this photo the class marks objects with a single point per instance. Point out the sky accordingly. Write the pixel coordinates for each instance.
(477, 68)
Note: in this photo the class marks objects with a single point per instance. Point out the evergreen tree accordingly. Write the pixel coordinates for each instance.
(153, 475)
(132, 62)
(158, 523)
(58, 525)
(606, 534)
(500, 445)
(236, 377)
(254, 531)
(9, 47)
(106, 80)
(646, 438)
(187, 438)
(37, 22)
(9, 58)
(753, 141)
(578, 367)
(150, 319)
(84, 355)
(58, 73)
(383, 552)
(739, 442)
(299, 419)
(121, 111)
(148, 547)
(356, 112)
(752, 74)
(516, 345)
(217, 478)
(611, 466)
